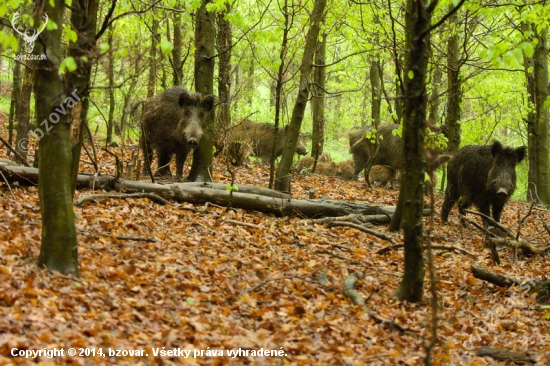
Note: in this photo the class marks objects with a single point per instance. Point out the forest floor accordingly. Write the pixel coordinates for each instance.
(209, 291)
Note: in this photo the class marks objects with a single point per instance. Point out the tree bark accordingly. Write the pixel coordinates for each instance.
(111, 75)
(177, 62)
(58, 250)
(411, 195)
(530, 120)
(279, 90)
(84, 52)
(454, 92)
(318, 99)
(205, 41)
(15, 92)
(225, 43)
(24, 111)
(282, 183)
(540, 61)
(151, 81)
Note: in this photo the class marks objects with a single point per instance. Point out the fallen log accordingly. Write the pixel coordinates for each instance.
(246, 197)
(540, 287)
(506, 355)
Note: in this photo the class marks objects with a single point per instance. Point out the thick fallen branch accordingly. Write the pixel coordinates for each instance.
(434, 246)
(519, 244)
(259, 199)
(153, 197)
(492, 222)
(505, 355)
(363, 229)
(540, 287)
(356, 298)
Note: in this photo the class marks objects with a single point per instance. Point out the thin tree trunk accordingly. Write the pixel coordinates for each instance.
(411, 195)
(152, 60)
(282, 183)
(177, 63)
(530, 120)
(454, 93)
(279, 89)
(376, 90)
(540, 60)
(318, 100)
(58, 250)
(15, 92)
(205, 41)
(24, 111)
(225, 43)
(84, 52)
(111, 75)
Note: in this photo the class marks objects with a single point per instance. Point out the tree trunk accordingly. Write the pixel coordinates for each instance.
(279, 90)
(530, 120)
(376, 90)
(15, 92)
(58, 250)
(318, 100)
(454, 93)
(177, 62)
(540, 61)
(24, 111)
(111, 75)
(433, 114)
(84, 52)
(282, 183)
(152, 59)
(205, 41)
(411, 195)
(225, 43)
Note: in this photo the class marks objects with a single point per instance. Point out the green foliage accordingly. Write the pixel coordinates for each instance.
(434, 140)
(231, 188)
(166, 46)
(67, 64)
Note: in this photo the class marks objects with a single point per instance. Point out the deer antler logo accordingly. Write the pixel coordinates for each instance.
(29, 39)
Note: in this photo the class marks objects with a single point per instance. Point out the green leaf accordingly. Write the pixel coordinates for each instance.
(528, 49)
(3, 9)
(121, 53)
(230, 188)
(104, 47)
(166, 46)
(67, 64)
(410, 74)
(14, 4)
(51, 25)
(190, 301)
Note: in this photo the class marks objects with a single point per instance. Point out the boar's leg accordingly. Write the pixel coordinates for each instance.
(164, 161)
(181, 155)
(451, 196)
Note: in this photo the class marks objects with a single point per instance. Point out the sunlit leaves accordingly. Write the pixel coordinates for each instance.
(67, 64)
(166, 46)
(71, 34)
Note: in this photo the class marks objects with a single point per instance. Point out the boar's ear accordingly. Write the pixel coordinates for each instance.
(496, 148)
(520, 153)
(208, 102)
(184, 98)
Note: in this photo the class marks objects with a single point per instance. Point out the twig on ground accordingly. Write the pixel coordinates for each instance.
(356, 298)
(364, 229)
